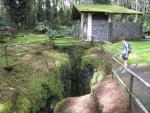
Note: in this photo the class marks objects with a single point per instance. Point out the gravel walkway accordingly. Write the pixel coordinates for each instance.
(142, 71)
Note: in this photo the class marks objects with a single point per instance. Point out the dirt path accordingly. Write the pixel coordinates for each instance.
(139, 89)
(142, 71)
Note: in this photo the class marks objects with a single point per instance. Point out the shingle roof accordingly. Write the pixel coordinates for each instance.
(104, 8)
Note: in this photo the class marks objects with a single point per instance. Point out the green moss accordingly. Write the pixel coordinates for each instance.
(36, 82)
(104, 8)
(59, 105)
(97, 78)
(92, 57)
(60, 59)
(23, 105)
(5, 107)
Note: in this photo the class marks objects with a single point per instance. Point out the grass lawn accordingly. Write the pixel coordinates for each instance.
(27, 38)
(66, 41)
(58, 42)
(140, 51)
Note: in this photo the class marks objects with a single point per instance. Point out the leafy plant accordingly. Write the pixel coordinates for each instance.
(42, 27)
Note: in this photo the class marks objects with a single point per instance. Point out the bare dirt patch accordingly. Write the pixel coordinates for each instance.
(111, 96)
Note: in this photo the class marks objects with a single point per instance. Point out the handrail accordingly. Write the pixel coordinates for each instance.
(134, 74)
(136, 99)
(138, 78)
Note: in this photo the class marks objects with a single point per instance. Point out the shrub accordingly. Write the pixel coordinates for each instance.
(42, 27)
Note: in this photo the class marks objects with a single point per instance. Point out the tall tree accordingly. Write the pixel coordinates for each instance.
(40, 11)
(48, 10)
(18, 11)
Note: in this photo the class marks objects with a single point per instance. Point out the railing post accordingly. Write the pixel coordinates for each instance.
(102, 46)
(92, 41)
(112, 68)
(130, 93)
(6, 55)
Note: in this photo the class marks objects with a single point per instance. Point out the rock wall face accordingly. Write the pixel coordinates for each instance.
(127, 30)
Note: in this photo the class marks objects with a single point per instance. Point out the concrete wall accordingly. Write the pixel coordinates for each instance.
(128, 30)
(100, 27)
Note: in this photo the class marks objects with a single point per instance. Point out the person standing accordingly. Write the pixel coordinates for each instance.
(125, 53)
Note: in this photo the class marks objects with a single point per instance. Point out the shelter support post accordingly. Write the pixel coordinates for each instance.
(89, 29)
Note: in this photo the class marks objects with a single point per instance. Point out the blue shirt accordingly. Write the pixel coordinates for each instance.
(124, 49)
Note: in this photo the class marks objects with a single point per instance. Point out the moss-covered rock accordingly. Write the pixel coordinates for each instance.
(97, 78)
(95, 65)
(35, 77)
(93, 68)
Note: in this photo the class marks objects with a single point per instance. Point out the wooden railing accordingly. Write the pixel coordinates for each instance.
(137, 88)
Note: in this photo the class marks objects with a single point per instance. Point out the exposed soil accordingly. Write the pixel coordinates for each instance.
(83, 104)
(110, 96)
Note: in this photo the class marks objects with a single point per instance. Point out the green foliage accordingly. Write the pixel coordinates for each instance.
(3, 36)
(4, 26)
(5, 107)
(18, 11)
(92, 57)
(59, 105)
(48, 85)
(146, 24)
(54, 33)
(61, 31)
(97, 78)
(23, 105)
(35, 82)
(42, 27)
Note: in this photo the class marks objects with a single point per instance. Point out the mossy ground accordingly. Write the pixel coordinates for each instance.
(36, 75)
(98, 63)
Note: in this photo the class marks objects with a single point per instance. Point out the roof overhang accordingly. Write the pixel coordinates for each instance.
(100, 8)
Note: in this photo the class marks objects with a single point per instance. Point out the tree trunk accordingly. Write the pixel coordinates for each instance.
(48, 11)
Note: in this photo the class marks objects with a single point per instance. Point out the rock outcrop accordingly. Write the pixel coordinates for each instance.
(105, 97)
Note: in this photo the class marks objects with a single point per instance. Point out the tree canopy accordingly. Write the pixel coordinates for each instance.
(28, 13)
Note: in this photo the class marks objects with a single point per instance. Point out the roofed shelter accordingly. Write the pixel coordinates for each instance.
(96, 21)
